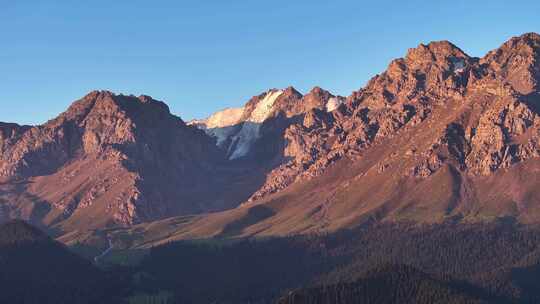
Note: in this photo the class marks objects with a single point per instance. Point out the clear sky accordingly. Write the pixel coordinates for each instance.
(201, 56)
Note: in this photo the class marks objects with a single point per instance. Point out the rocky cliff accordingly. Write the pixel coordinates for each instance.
(439, 135)
(490, 114)
(113, 158)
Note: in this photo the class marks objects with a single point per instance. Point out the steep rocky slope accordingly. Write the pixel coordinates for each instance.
(241, 132)
(119, 160)
(488, 106)
(471, 115)
(107, 159)
(439, 136)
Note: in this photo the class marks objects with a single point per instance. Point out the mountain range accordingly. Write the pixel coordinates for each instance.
(438, 136)
(420, 187)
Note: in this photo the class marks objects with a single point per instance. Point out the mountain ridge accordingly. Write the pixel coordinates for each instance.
(102, 145)
(439, 136)
(422, 141)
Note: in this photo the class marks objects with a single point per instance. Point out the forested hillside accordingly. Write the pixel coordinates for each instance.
(489, 262)
(37, 269)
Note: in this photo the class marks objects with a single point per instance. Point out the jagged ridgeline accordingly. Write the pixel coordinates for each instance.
(421, 187)
(439, 135)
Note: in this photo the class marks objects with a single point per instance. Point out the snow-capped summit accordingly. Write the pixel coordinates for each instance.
(264, 107)
(237, 129)
(333, 103)
(220, 125)
(225, 118)
(250, 131)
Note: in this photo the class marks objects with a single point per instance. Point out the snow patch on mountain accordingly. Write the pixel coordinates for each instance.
(228, 125)
(264, 107)
(333, 103)
(246, 137)
(226, 118)
(220, 125)
(222, 134)
(458, 65)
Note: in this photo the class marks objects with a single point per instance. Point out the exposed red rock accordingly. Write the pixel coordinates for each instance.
(486, 114)
(433, 137)
(125, 158)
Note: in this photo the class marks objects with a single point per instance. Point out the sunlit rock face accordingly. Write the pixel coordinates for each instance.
(432, 129)
(124, 158)
(237, 130)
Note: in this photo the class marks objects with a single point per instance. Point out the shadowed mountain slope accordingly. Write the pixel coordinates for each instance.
(438, 136)
(37, 269)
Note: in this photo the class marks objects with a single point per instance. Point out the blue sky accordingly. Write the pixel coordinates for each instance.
(202, 56)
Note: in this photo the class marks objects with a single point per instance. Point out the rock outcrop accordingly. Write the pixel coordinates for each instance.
(492, 114)
(238, 131)
(433, 137)
(126, 156)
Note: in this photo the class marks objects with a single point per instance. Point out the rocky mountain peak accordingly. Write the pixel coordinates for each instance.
(318, 93)
(435, 119)
(321, 99)
(491, 132)
(111, 153)
(288, 103)
(531, 40)
(437, 51)
(107, 103)
(291, 92)
(516, 62)
(428, 73)
(264, 116)
(316, 90)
